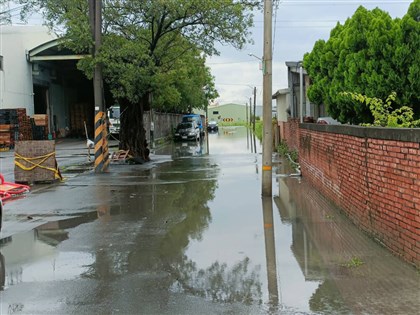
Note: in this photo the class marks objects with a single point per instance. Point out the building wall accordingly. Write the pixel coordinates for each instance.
(228, 113)
(372, 174)
(16, 77)
(291, 133)
(164, 124)
(282, 103)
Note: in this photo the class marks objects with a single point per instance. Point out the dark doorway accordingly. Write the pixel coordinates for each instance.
(40, 99)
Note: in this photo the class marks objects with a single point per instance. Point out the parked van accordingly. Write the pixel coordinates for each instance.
(114, 119)
(198, 119)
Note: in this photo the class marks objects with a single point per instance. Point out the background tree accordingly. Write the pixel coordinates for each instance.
(152, 47)
(371, 54)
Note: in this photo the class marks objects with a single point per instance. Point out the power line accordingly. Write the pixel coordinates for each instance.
(237, 84)
(228, 62)
(276, 8)
(11, 10)
(344, 2)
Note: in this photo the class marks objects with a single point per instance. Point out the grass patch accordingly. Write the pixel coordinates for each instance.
(283, 150)
(259, 129)
(231, 124)
(354, 262)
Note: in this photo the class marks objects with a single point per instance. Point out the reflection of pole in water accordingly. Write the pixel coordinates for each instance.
(250, 139)
(270, 251)
(247, 137)
(253, 141)
(2, 272)
(103, 208)
(207, 142)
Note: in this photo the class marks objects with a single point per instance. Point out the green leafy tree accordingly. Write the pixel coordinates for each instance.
(152, 48)
(382, 111)
(371, 54)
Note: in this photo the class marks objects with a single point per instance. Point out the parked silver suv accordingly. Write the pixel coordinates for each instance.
(187, 131)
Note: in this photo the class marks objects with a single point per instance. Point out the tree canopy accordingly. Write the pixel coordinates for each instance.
(152, 47)
(370, 54)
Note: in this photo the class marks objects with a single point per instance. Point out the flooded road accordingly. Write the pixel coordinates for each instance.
(190, 234)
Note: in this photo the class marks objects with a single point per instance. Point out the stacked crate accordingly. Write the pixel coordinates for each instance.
(25, 128)
(5, 137)
(15, 126)
(39, 127)
(9, 131)
(79, 114)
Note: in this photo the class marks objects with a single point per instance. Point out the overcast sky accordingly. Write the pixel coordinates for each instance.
(297, 25)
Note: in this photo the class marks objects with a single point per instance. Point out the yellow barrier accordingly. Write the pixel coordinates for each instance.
(38, 163)
(101, 143)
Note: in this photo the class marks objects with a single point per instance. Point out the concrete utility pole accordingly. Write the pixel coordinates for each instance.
(250, 114)
(246, 112)
(253, 121)
(301, 91)
(255, 107)
(97, 83)
(100, 137)
(267, 93)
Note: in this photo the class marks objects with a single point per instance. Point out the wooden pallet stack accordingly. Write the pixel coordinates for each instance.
(15, 126)
(39, 127)
(5, 137)
(80, 113)
(24, 126)
(9, 128)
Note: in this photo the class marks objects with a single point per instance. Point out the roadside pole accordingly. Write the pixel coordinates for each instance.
(101, 137)
(255, 105)
(267, 92)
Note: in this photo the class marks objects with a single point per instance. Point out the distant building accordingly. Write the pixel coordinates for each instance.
(41, 76)
(288, 100)
(231, 112)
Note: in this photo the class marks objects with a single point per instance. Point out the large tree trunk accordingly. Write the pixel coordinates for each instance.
(132, 132)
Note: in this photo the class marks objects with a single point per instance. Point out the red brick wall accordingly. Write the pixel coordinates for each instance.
(373, 178)
(291, 133)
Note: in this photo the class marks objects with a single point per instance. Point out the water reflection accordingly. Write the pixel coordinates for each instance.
(270, 252)
(325, 243)
(2, 272)
(39, 247)
(232, 140)
(188, 148)
(219, 282)
(152, 227)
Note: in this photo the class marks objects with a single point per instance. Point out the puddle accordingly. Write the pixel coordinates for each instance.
(193, 235)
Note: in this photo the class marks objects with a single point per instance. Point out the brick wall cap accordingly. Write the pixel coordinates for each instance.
(397, 134)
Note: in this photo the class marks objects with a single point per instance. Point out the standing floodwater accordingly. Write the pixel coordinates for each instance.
(190, 233)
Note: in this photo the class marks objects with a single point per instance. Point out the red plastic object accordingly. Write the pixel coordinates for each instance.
(4, 196)
(9, 190)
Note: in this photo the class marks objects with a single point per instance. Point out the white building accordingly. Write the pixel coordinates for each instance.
(16, 84)
(37, 74)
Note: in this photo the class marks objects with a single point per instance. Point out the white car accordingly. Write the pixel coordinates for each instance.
(327, 121)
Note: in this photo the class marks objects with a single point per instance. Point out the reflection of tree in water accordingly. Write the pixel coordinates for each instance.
(163, 216)
(220, 283)
(155, 225)
(327, 300)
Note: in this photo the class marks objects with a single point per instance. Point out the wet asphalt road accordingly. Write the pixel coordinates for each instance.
(190, 234)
